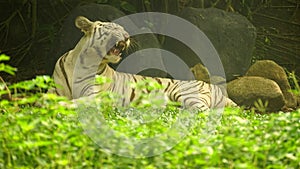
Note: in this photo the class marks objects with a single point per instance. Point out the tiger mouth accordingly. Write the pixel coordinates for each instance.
(118, 48)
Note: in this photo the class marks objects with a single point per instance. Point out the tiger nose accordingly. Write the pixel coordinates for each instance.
(126, 36)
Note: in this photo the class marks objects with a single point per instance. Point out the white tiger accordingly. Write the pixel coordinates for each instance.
(103, 43)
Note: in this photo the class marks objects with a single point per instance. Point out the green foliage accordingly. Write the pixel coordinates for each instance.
(128, 7)
(26, 92)
(101, 80)
(4, 67)
(261, 106)
(47, 134)
(150, 96)
(294, 82)
(124, 5)
(40, 83)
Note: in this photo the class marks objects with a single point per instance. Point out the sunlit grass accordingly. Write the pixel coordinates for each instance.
(51, 136)
(46, 131)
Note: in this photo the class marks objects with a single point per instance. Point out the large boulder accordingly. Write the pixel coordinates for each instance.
(271, 70)
(247, 90)
(232, 35)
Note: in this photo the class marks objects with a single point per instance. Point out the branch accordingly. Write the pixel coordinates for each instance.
(6, 88)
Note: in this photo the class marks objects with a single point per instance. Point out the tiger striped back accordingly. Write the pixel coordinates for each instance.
(102, 44)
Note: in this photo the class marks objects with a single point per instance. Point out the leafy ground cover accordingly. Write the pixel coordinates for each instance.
(43, 131)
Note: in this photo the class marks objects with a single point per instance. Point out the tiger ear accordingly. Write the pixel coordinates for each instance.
(83, 24)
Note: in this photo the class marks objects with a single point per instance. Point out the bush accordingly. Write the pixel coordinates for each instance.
(41, 130)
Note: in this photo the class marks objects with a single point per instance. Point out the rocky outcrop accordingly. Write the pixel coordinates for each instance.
(249, 89)
(232, 35)
(271, 70)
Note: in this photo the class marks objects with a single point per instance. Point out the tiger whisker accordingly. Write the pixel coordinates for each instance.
(134, 46)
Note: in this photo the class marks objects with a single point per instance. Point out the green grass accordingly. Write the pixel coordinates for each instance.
(40, 130)
(48, 135)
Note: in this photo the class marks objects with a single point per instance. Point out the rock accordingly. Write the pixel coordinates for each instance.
(232, 35)
(245, 91)
(200, 72)
(271, 70)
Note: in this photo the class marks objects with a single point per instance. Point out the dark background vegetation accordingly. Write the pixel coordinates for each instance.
(29, 28)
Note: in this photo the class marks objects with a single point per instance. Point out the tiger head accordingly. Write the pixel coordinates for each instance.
(107, 38)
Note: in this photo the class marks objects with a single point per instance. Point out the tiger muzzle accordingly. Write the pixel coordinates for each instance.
(119, 48)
